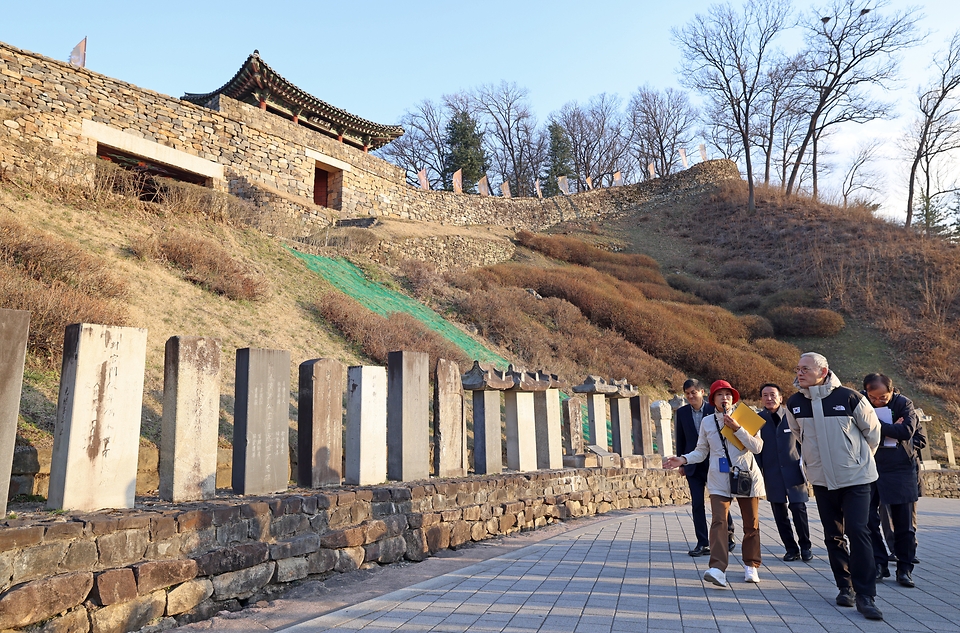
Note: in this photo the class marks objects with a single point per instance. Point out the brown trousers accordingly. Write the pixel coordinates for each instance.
(750, 548)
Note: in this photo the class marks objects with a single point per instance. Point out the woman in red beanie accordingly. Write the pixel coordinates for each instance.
(726, 458)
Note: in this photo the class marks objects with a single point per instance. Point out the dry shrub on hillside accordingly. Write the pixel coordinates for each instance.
(553, 334)
(422, 277)
(377, 336)
(783, 355)
(744, 269)
(789, 321)
(574, 251)
(757, 326)
(684, 336)
(715, 292)
(205, 263)
(659, 292)
(793, 297)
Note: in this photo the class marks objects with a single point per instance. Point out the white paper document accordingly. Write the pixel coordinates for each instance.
(886, 416)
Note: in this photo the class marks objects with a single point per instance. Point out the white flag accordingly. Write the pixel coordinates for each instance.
(683, 157)
(617, 179)
(589, 182)
(505, 189)
(78, 56)
(484, 186)
(651, 170)
(703, 152)
(537, 187)
(563, 185)
(458, 181)
(422, 175)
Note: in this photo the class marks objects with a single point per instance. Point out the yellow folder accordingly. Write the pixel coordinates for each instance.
(745, 417)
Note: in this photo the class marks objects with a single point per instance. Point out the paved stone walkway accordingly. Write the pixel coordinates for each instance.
(631, 572)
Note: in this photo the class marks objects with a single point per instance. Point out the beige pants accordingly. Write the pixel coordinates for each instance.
(750, 548)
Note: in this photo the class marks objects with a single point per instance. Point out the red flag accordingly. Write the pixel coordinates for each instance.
(505, 189)
(458, 181)
(484, 186)
(422, 175)
(78, 56)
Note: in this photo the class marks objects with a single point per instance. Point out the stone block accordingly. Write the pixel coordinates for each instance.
(349, 559)
(232, 558)
(122, 548)
(97, 431)
(521, 430)
(642, 426)
(449, 422)
(14, 331)
(188, 595)
(366, 448)
(113, 586)
(290, 569)
(322, 561)
(191, 418)
(350, 537)
(148, 468)
(487, 433)
(662, 414)
(261, 445)
(129, 616)
(408, 416)
(297, 546)
(65, 530)
(571, 412)
(597, 420)
(621, 426)
(417, 549)
(948, 442)
(320, 423)
(15, 538)
(160, 574)
(548, 428)
(242, 583)
(80, 556)
(459, 533)
(42, 599)
(75, 621)
(37, 561)
(374, 531)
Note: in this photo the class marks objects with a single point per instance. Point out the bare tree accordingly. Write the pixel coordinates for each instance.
(599, 137)
(937, 130)
(516, 144)
(662, 125)
(778, 109)
(849, 48)
(860, 179)
(724, 56)
(423, 145)
(721, 134)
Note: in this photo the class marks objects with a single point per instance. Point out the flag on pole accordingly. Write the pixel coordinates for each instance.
(505, 189)
(422, 175)
(683, 157)
(589, 182)
(563, 185)
(536, 186)
(484, 186)
(78, 56)
(617, 179)
(651, 170)
(703, 152)
(458, 181)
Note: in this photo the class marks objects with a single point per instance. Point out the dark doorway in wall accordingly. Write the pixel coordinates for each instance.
(320, 181)
(146, 178)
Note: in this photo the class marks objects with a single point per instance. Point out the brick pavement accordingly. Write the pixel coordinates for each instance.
(631, 572)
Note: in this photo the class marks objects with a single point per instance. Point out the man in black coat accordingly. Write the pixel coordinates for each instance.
(689, 417)
(782, 476)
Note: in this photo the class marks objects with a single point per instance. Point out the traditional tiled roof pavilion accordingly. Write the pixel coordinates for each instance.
(258, 84)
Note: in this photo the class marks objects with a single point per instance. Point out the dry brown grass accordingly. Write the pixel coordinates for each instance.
(789, 321)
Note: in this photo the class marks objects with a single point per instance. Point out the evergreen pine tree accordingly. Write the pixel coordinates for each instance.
(464, 151)
(559, 159)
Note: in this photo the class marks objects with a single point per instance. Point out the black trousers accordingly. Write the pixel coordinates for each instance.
(846, 511)
(886, 524)
(904, 533)
(697, 489)
(799, 512)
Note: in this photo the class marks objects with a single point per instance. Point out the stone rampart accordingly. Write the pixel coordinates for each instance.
(118, 571)
(262, 157)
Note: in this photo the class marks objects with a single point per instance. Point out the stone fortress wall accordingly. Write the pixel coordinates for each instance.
(262, 157)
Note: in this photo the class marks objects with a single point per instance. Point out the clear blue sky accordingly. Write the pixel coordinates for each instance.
(377, 59)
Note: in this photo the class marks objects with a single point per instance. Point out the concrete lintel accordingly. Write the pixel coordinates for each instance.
(330, 161)
(151, 150)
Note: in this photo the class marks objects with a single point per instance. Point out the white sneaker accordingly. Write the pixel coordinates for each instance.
(750, 574)
(715, 576)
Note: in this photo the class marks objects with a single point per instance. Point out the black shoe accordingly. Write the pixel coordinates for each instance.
(699, 550)
(791, 556)
(904, 578)
(730, 546)
(915, 561)
(868, 608)
(892, 558)
(806, 556)
(846, 597)
(882, 572)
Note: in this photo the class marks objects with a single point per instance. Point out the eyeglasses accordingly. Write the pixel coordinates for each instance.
(804, 370)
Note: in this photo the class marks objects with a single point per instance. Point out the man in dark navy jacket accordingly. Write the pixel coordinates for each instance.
(689, 417)
(782, 476)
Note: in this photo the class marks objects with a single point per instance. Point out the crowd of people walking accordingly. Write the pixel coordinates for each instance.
(857, 450)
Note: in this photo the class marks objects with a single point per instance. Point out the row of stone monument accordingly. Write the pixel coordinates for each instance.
(387, 419)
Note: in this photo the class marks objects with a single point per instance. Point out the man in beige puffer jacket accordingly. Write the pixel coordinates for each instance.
(839, 432)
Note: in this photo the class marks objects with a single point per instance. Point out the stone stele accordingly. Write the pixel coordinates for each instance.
(14, 330)
(486, 382)
(191, 418)
(642, 425)
(408, 416)
(662, 414)
(366, 449)
(261, 444)
(571, 409)
(96, 439)
(596, 389)
(449, 422)
(621, 421)
(320, 423)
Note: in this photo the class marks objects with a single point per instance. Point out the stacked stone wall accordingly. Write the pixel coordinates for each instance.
(119, 571)
(265, 157)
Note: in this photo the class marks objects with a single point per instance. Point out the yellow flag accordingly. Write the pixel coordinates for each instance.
(745, 417)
